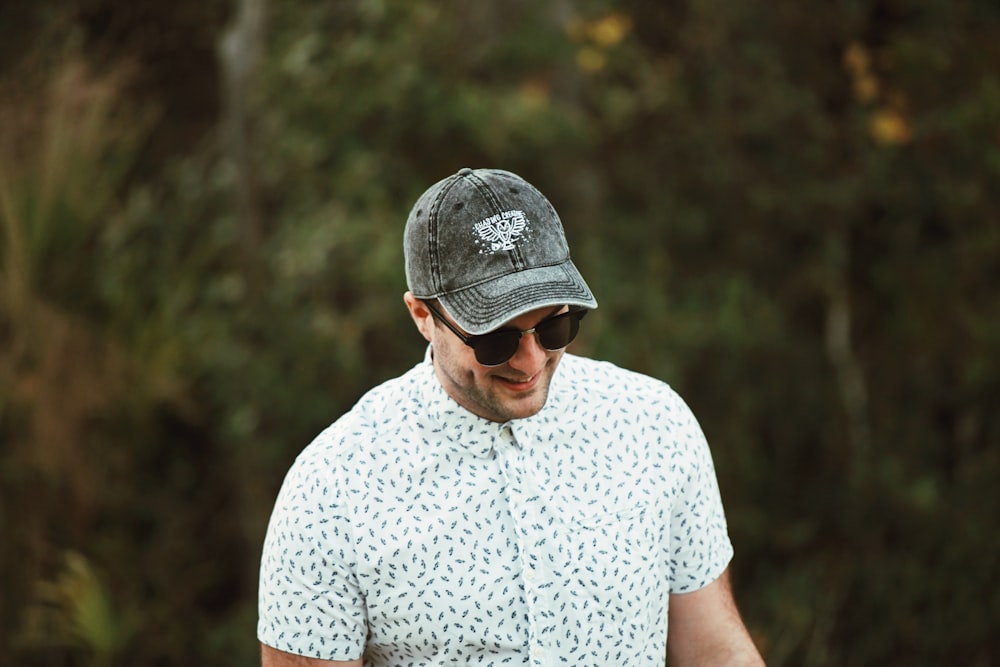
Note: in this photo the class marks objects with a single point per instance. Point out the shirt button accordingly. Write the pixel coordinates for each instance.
(529, 576)
(537, 652)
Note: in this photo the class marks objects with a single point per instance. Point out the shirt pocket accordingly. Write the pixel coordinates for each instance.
(613, 551)
(614, 584)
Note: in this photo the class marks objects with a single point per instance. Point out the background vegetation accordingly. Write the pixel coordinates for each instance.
(788, 210)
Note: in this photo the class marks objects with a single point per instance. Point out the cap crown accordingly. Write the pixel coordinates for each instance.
(477, 226)
(489, 246)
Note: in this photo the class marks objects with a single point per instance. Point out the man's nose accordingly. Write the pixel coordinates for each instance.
(530, 355)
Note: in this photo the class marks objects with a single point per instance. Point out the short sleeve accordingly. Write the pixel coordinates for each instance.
(309, 599)
(700, 548)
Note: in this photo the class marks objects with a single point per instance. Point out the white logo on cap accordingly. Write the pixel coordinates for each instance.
(500, 231)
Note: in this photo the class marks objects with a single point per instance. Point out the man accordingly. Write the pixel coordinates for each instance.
(503, 502)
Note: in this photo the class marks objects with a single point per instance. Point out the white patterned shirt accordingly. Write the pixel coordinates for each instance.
(414, 532)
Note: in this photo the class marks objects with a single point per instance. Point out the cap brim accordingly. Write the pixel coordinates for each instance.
(485, 307)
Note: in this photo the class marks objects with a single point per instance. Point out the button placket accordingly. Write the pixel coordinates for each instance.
(537, 536)
(510, 456)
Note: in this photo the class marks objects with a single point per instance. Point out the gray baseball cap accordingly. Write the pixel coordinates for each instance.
(489, 247)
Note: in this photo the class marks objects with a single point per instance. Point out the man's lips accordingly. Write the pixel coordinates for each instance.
(519, 384)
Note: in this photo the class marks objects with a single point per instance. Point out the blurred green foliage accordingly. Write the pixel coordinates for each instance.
(788, 210)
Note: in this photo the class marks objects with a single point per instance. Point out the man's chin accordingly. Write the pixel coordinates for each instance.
(525, 405)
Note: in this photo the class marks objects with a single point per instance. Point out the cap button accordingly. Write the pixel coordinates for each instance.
(464, 171)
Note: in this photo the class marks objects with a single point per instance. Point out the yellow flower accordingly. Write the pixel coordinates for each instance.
(590, 60)
(865, 87)
(857, 59)
(609, 30)
(888, 127)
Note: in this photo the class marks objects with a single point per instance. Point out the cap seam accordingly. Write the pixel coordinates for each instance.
(517, 260)
(432, 233)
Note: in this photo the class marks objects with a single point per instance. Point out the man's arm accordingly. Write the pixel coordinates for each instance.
(272, 657)
(705, 629)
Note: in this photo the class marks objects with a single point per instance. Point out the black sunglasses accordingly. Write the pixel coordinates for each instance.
(497, 347)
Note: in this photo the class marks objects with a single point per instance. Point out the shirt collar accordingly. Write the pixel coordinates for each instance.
(466, 432)
(457, 428)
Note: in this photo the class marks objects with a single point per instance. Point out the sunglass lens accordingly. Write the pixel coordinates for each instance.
(558, 332)
(495, 348)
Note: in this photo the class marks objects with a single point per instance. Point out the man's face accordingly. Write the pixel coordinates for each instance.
(516, 389)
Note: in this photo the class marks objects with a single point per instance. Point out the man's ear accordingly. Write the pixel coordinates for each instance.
(421, 315)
